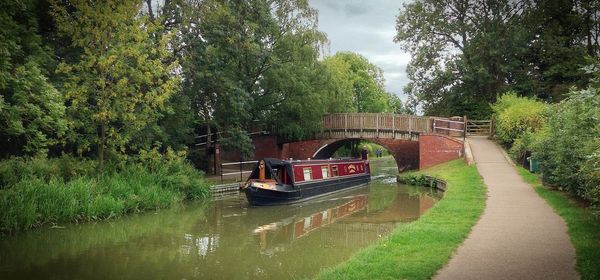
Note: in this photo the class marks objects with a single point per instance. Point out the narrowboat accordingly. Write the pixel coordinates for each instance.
(275, 181)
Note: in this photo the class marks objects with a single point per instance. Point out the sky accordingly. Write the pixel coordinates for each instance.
(368, 28)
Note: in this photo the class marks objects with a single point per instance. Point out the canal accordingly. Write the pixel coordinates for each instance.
(221, 239)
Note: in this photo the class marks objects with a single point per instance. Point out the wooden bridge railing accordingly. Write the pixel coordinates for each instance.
(374, 125)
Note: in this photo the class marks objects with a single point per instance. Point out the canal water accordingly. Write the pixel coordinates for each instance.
(221, 239)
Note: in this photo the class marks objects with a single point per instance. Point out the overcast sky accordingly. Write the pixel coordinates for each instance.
(367, 28)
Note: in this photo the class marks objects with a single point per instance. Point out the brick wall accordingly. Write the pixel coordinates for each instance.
(431, 149)
(436, 149)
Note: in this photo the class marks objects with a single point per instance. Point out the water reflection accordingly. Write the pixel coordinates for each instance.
(225, 239)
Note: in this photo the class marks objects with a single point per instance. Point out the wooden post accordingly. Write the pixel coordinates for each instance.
(377, 125)
(362, 123)
(345, 124)
(330, 124)
(465, 128)
(393, 126)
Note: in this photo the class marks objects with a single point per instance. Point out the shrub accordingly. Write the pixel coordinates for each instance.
(516, 115)
(65, 167)
(517, 119)
(568, 150)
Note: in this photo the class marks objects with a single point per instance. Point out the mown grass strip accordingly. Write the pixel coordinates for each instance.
(419, 249)
(584, 227)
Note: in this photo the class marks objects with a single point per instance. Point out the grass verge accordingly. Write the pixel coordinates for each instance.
(584, 227)
(419, 249)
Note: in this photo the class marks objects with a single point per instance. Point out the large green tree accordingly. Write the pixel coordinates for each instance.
(118, 84)
(31, 108)
(246, 63)
(357, 85)
(465, 53)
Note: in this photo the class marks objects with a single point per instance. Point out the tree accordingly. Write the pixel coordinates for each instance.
(31, 109)
(466, 53)
(118, 84)
(245, 63)
(357, 85)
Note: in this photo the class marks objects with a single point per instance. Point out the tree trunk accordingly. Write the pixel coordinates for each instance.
(101, 146)
(209, 149)
(588, 27)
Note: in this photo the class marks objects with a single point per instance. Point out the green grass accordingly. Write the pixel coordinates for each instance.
(584, 227)
(48, 196)
(419, 249)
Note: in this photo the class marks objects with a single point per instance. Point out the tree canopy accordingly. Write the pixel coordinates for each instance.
(465, 53)
(111, 79)
(357, 85)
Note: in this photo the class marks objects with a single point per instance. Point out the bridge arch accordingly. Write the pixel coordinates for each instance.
(405, 152)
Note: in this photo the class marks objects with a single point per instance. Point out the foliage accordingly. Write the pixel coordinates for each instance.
(417, 180)
(252, 65)
(119, 83)
(31, 109)
(465, 53)
(65, 168)
(64, 190)
(516, 117)
(584, 226)
(419, 249)
(358, 85)
(567, 148)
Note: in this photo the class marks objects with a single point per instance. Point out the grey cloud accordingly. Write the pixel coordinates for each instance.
(367, 28)
(354, 9)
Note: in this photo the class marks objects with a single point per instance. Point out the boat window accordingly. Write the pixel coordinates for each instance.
(334, 171)
(325, 171)
(307, 173)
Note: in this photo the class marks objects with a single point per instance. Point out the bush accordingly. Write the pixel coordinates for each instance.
(65, 167)
(514, 116)
(568, 148)
(42, 191)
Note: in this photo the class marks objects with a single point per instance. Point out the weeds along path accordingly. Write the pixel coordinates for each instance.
(518, 236)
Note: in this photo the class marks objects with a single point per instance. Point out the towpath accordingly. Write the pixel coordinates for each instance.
(518, 236)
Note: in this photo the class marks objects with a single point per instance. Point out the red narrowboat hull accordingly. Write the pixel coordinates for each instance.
(297, 181)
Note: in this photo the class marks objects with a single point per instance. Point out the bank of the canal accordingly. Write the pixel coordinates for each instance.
(222, 239)
(419, 249)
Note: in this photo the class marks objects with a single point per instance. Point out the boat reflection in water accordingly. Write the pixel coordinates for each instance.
(367, 215)
(293, 228)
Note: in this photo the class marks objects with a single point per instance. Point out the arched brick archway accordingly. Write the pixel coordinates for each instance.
(405, 152)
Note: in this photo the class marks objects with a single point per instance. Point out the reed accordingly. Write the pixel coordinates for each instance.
(40, 195)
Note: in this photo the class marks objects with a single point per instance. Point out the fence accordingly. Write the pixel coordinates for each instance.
(374, 125)
(480, 127)
(454, 127)
(237, 168)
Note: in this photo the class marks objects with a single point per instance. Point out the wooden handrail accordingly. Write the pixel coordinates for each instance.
(376, 122)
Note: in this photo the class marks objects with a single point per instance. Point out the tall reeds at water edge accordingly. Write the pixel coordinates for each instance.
(38, 192)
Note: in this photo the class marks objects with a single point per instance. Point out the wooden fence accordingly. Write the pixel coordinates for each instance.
(374, 125)
(480, 127)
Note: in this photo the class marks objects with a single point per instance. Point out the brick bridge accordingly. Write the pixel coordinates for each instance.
(413, 141)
